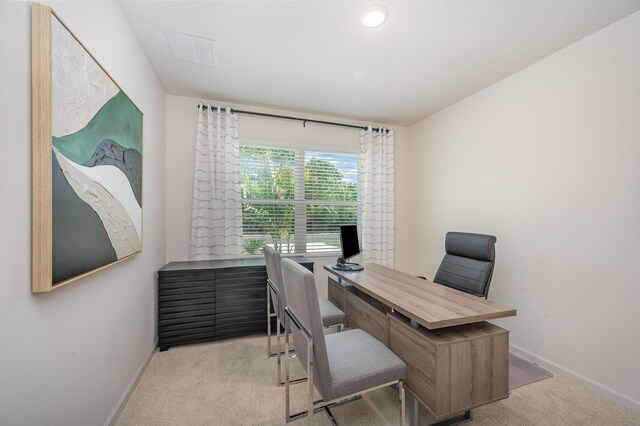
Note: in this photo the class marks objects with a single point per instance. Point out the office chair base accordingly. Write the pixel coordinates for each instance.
(413, 404)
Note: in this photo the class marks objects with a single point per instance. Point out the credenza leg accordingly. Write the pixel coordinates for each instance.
(413, 415)
(413, 410)
(462, 418)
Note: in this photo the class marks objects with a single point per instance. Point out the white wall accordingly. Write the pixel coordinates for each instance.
(181, 135)
(67, 357)
(548, 160)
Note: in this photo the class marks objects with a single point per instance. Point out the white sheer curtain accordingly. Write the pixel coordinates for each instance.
(216, 217)
(376, 180)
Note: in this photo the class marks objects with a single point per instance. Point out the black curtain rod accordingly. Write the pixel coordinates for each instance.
(288, 117)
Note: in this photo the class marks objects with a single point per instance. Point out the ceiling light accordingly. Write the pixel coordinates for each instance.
(374, 16)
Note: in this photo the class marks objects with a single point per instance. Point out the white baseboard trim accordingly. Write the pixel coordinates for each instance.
(115, 413)
(597, 387)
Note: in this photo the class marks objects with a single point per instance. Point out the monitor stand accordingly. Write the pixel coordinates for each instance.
(346, 266)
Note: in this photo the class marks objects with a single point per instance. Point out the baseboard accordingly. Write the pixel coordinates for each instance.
(115, 413)
(597, 387)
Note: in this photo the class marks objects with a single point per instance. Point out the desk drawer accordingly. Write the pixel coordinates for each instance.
(453, 369)
(420, 356)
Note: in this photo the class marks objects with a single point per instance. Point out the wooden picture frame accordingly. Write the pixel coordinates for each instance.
(87, 160)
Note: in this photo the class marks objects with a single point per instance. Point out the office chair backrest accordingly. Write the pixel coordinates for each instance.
(274, 272)
(302, 299)
(468, 264)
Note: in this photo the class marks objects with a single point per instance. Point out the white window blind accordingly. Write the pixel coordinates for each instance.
(296, 200)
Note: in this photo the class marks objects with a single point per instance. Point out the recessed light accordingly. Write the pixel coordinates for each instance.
(374, 16)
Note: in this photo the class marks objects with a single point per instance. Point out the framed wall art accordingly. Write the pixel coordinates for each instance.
(87, 160)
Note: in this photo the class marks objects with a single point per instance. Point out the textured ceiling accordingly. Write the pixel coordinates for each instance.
(316, 56)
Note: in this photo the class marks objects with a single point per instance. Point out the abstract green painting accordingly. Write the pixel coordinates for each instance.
(94, 141)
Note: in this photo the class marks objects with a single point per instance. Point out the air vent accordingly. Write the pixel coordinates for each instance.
(193, 49)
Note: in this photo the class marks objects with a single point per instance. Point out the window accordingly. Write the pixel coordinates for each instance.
(296, 200)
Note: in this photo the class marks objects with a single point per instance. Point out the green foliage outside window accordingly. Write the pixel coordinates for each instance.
(269, 174)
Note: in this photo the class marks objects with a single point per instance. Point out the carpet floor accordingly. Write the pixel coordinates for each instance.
(233, 383)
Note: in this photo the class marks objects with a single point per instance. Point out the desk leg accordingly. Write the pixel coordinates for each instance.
(413, 410)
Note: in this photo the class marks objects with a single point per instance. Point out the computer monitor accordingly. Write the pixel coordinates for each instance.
(349, 241)
(350, 247)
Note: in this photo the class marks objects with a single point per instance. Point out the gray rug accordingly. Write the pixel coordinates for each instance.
(523, 372)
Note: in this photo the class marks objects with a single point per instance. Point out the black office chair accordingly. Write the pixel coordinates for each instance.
(468, 263)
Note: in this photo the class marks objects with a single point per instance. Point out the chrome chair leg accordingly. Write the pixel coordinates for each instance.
(339, 327)
(321, 405)
(402, 412)
(273, 302)
(310, 380)
(279, 354)
(287, 381)
(287, 408)
(290, 356)
(269, 322)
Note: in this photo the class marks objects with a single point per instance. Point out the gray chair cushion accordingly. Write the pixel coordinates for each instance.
(331, 315)
(358, 361)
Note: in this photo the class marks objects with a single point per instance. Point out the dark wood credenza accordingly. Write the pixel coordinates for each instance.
(208, 300)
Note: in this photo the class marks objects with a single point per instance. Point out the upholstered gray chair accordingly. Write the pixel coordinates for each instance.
(341, 365)
(276, 297)
(468, 263)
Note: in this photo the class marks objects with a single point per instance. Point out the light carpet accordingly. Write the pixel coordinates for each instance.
(233, 383)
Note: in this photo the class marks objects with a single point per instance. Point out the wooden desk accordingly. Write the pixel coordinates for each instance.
(457, 361)
(430, 305)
